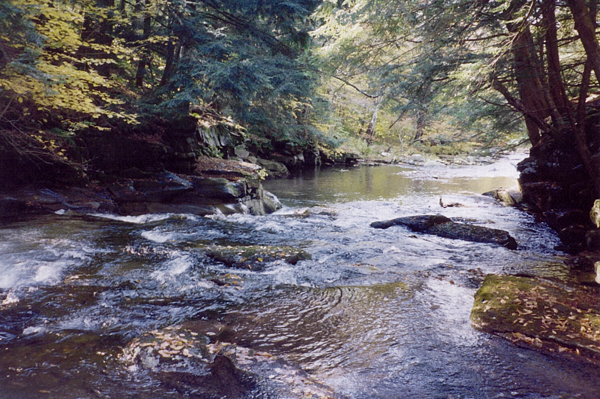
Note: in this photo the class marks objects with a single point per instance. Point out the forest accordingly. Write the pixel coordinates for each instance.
(295, 74)
(151, 248)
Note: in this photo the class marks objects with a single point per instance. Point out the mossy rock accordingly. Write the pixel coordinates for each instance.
(540, 313)
(255, 257)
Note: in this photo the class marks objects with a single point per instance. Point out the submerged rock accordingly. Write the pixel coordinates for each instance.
(192, 358)
(540, 313)
(444, 227)
(255, 257)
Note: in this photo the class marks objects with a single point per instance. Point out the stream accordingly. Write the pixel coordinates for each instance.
(373, 314)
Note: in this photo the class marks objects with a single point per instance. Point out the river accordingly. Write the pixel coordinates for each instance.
(373, 314)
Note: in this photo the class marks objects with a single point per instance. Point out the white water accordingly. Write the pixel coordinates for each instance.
(374, 313)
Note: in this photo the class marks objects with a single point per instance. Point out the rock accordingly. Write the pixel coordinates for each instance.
(559, 219)
(592, 240)
(162, 187)
(270, 202)
(416, 159)
(255, 257)
(202, 357)
(573, 237)
(595, 213)
(508, 197)
(194, 194)
(274, 169)
(312, 157)
(242, 153)
(544, 196)
(34, 201)
(540, 313)
(335, 157)
(219, 188)
(433, 164)
(291, 162)
(444, 227)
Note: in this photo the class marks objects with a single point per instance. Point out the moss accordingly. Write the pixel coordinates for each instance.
(542, 313)
(255, 257)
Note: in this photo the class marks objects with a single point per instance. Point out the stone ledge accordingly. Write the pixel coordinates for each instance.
(541, 314)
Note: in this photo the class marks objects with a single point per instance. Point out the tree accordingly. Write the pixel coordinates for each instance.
(67, 66)
(526, 51)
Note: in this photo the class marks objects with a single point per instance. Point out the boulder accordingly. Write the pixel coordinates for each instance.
(274, 169)
(444, 227)
(508, 197)
(26, 202)
(539, 313)
(163, 187)
(193, 194)
(202, 356)
(255, 257)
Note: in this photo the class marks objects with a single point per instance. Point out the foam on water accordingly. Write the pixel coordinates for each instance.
(141, 219)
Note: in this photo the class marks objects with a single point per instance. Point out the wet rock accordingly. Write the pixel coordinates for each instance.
(192, 358)
(33, 201)
(508, 197)
(163, 187)
(198, 195)
(540, 313)
(416, 159)
(314, 211)
(335, 157)
(255, 257)
(595, 213)
(592, 240)
(222, 379)
(444, 227)
(559, 219)
(274, 169)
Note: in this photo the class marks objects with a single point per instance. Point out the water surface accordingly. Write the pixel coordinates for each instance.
(374, 313)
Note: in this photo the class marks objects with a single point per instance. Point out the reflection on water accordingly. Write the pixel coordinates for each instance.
(374, 313)
(326, 186)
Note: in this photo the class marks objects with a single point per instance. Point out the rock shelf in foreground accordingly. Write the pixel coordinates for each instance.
(540, 313)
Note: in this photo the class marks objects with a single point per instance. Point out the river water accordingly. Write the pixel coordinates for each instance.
(373, 314)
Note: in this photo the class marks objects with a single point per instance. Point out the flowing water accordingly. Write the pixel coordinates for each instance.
(373, 314)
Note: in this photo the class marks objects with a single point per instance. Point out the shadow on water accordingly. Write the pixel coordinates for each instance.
(372, 314)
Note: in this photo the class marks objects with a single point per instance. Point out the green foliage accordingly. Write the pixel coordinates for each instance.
(429, 60)
(245, 59)
(104, 64)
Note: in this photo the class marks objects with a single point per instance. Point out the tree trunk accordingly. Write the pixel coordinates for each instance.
(531, 91)
(144, 61)
(98, 31)
(555, 82)
(585, 26)
(371, 128)
(171, 60)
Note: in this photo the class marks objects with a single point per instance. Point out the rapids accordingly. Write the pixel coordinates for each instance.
(374, 313)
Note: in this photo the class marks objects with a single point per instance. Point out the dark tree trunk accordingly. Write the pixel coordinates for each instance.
(144, 61)
(171, 59)
(98, 31)
(585, 26)
(555, 82)
(531, 91)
